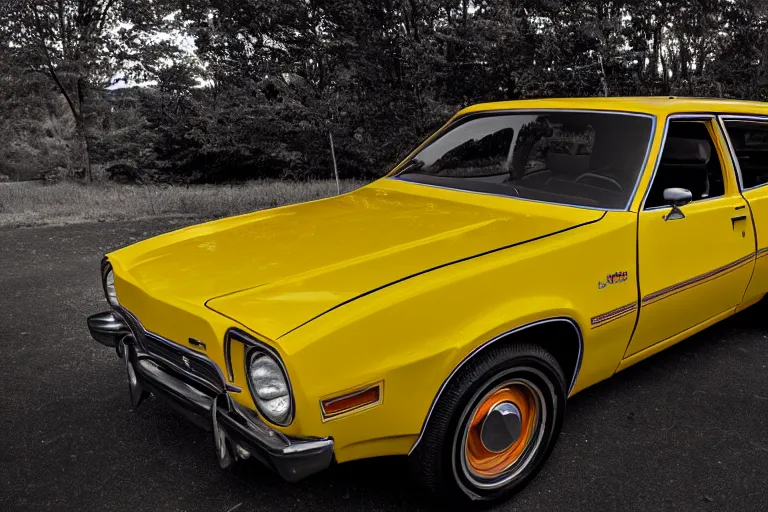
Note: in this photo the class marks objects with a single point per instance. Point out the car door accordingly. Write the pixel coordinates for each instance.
(695, 262)
(747, 138)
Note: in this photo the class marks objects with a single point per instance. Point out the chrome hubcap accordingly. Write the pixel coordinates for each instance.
(501, 427)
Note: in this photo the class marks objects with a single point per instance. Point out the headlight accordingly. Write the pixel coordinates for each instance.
(109, 285)
(270, 388)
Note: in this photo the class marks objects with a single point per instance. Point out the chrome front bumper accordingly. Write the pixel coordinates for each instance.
(238, 431)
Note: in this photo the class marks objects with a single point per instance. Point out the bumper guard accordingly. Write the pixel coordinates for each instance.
(238, 431)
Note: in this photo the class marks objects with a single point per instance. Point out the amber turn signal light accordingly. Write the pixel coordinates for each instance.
(336, 406)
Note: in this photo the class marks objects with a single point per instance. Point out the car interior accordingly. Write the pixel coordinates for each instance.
(589, 161)
(750, 143)
(689, 160)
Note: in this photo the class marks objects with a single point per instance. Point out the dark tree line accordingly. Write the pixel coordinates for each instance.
(271, 79)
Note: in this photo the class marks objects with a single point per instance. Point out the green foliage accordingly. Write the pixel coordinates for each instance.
(37, 127)
(269, 80)
(81, 44)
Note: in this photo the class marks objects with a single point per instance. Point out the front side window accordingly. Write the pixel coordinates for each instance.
(575, 158)
(750, 144)
(689, 160)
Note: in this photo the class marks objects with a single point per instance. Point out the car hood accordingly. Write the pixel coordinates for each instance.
(277, 269)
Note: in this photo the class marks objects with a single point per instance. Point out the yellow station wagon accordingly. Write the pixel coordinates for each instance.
(526, 251)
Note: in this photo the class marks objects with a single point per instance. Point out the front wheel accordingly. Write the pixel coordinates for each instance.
(494, 425)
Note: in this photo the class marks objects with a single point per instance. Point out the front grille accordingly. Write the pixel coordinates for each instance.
(183, 360)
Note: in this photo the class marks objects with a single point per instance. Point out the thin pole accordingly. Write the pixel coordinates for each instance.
(335, 170)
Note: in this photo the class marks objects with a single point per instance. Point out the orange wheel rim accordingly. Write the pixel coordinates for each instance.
(487, 463)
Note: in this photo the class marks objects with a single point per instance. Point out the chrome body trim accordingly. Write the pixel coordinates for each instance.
(489, 343)
(106, 267)
(129, 318)
(393, 175)
(106, 329)
(179, 387)
(614, 314)
(293, 458)
(696, 280)
(255, 344)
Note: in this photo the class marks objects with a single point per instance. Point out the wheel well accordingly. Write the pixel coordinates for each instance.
(560, 337)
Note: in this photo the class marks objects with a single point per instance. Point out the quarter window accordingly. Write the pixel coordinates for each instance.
(689, 160)
(749, 140)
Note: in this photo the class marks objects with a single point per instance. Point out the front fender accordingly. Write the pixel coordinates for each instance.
(413, 335)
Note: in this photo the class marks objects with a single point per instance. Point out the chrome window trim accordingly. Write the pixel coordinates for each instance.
(734, 117)
(488, 343)
(670, 118)
(631, 198)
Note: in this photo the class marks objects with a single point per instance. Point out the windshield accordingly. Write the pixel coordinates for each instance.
(574, 158)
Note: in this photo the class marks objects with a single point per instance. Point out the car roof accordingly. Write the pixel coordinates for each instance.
(655, 105)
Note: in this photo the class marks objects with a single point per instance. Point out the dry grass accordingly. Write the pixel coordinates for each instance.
(34, 204)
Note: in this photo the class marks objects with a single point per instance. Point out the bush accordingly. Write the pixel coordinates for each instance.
(60, 174)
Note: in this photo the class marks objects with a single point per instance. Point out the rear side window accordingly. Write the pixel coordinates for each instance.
(749, 140)
(574, 158)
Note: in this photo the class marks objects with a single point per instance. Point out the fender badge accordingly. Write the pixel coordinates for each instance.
(615, 278)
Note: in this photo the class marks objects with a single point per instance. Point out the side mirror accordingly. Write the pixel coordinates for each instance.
(677, 197)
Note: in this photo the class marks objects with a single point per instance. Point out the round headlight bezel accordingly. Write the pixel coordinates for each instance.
(250, 357)
(106, 273)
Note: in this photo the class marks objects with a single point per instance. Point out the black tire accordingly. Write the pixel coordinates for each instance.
(440, 461)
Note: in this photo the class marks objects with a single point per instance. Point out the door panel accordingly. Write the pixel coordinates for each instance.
(691, 269)
(758, 203)
(748, 141)
(697, 267)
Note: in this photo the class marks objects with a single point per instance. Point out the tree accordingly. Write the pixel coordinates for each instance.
(279, 75)
(80, 44)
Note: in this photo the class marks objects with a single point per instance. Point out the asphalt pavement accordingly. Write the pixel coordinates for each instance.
(685, 430)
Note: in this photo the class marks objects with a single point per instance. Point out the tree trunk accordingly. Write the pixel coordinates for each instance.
(85, 147)
(81, 130)
(603, 78)
(665, 74)
(764, 58)
(656, 55)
